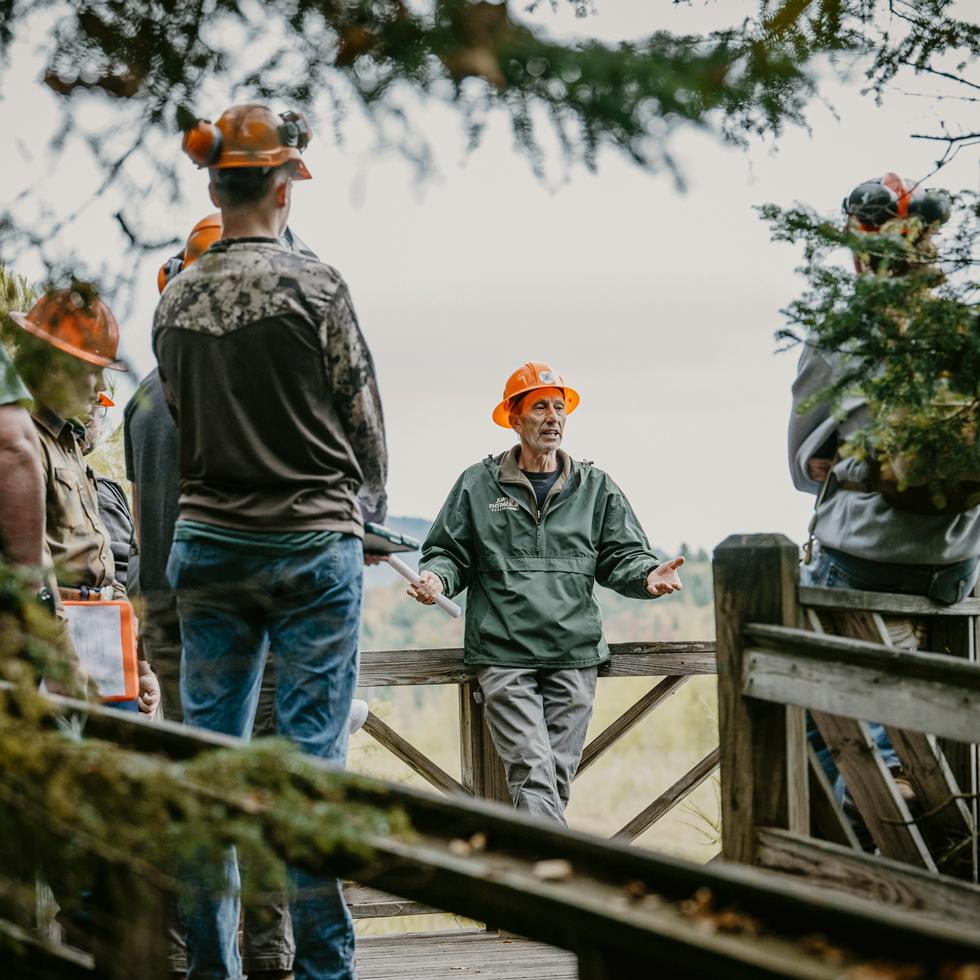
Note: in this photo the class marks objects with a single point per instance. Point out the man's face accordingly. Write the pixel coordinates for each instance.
(72, 386)
(540, 420)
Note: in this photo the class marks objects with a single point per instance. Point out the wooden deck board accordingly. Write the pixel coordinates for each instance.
(442, 955)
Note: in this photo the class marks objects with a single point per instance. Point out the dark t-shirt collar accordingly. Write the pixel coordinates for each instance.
(224, 243)
(548, 477)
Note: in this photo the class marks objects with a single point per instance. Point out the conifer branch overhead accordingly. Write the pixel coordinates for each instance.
(151, 59)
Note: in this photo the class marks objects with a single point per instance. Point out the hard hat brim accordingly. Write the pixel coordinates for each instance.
(98, 360)
(231, 159)
(501, 414)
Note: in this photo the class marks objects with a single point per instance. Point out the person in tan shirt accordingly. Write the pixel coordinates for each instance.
(75, 535)
(68, 339)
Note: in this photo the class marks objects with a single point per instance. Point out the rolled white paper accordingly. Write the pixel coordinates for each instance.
(446, 605)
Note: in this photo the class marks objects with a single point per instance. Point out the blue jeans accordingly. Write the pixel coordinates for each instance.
(233, 606)
(945, 584)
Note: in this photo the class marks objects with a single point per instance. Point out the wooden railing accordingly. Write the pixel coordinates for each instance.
(623, 911)
(847, 658)
(482, 773)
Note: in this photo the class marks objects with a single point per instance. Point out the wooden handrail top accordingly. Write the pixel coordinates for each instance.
(602, 893)
(883, 602)
(899, 662)
(444, 665)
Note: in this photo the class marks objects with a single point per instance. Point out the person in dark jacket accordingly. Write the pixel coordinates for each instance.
(528, 534)
(282, 457)
(860, 539)
(152, 467)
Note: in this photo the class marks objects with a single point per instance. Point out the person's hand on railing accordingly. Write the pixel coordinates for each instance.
(664, 578)
(430, 585)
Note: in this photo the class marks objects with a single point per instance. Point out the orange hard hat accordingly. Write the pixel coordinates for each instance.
(529, 377)
(203, 235)
(82, 326)
(249, 136)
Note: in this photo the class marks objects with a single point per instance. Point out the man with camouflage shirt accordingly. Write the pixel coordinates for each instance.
(281, 448)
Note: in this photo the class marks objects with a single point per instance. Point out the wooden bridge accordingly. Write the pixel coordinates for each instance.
(796, 896)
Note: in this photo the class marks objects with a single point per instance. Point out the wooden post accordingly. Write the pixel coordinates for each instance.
(764, 781)
(959, 638)
(481, 769)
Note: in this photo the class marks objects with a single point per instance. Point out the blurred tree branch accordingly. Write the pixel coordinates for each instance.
(152, 58)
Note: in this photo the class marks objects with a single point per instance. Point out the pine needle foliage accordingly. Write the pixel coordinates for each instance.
(75, 806)
(17, 294)
(906, 339)
(155, 61)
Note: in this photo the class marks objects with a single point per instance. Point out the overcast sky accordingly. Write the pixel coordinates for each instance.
(659, 307)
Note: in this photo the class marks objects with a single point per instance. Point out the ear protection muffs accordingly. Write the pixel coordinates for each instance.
(874, 202)
(203, 143)
(295, 130)
(931, 206)
(169, 269)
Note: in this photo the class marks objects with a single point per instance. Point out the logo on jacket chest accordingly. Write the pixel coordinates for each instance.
(504, 503)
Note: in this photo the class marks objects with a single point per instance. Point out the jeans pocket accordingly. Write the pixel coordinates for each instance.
(839, 577)
(834, 577)
(341, 562)
(184, 556)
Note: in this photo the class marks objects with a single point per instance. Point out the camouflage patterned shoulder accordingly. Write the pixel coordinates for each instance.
(238, 283)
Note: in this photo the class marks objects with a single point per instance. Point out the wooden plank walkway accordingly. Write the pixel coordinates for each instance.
(444, 955)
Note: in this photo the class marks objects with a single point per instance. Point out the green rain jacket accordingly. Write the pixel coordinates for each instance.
(530, 576)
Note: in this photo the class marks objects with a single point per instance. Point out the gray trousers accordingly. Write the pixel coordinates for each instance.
(538, 720)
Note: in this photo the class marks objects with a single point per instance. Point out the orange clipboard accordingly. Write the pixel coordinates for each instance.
(104, 636)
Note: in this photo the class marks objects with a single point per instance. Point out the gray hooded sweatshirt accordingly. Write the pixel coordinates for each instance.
(864, 524)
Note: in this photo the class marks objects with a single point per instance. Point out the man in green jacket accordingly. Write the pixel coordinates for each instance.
(528, 534)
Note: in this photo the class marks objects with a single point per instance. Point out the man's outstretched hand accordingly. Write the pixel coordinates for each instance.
(430, 585)
(664, 578)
